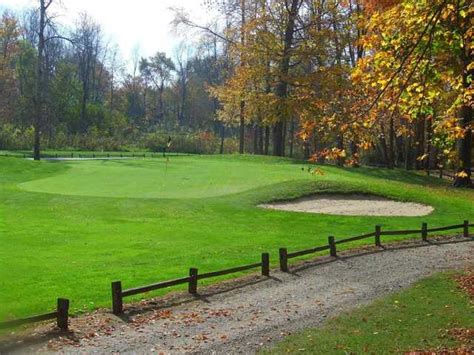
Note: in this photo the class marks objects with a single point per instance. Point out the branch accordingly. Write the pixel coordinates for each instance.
(48, 5)
(181, 17)
(60, 37)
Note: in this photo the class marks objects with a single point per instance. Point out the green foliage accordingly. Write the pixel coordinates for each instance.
(192, 142)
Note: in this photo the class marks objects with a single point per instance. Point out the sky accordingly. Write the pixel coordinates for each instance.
(142, 24)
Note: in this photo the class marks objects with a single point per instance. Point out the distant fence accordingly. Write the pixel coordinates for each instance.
(191, 280)
(61, 315)
(378, 232)
(74, 155)
(443, 174)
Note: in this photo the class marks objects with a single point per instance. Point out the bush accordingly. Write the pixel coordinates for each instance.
(194, 143)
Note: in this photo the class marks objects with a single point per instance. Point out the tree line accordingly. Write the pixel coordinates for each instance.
(344, 81)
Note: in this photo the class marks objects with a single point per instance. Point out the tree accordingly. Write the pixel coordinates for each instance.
(419, 74)
(9, 51)
(158, 69)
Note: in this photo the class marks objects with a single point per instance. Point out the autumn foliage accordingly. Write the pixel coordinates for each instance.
(391, 78)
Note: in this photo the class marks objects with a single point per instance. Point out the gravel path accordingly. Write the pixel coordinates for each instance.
(256, 312)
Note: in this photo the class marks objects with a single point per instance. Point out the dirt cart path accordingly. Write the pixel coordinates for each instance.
(259, 312)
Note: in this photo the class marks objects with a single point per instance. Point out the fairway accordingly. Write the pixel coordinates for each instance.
(70, 228)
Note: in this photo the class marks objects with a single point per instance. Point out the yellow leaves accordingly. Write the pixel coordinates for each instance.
(422, 157)
(317, 171)
(462, 174)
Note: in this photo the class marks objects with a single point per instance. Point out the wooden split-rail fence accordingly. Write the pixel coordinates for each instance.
(61, 315)
(192, 280)
(118, 294)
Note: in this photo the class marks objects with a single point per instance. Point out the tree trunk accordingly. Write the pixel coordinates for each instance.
(292, 137)
(408, 155)
(255, 139)
(267, 140)
(242, 128)
(278, 140)
(242, 102)
(281, 89)
(420, 142)
(429, 136)
(221, 150)
(340, 146)
(40, 85)
(383, 146)
(391, 145)
(463, 177)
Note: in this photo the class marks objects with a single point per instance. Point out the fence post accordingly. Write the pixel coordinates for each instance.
(378, 229)
(466, 229)
(424, 231)
(284, 259)
(332, 246)
(440, 173)
(117, 304)
(266, 264)
(193, 281)
(63, 314)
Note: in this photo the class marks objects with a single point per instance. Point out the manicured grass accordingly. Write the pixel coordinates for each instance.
(415, 319)
(67, 229)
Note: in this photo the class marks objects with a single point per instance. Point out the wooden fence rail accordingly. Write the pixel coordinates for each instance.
(332, 242)
(192, 280)
(62, 312)
(61, 315)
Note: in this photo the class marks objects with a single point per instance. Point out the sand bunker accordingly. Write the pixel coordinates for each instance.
(351, 205)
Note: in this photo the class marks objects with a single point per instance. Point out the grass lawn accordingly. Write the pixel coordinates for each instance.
(415, 319)
(67, 229)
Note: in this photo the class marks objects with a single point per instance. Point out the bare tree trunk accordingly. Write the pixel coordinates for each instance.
(242, 103)
(40, 84)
